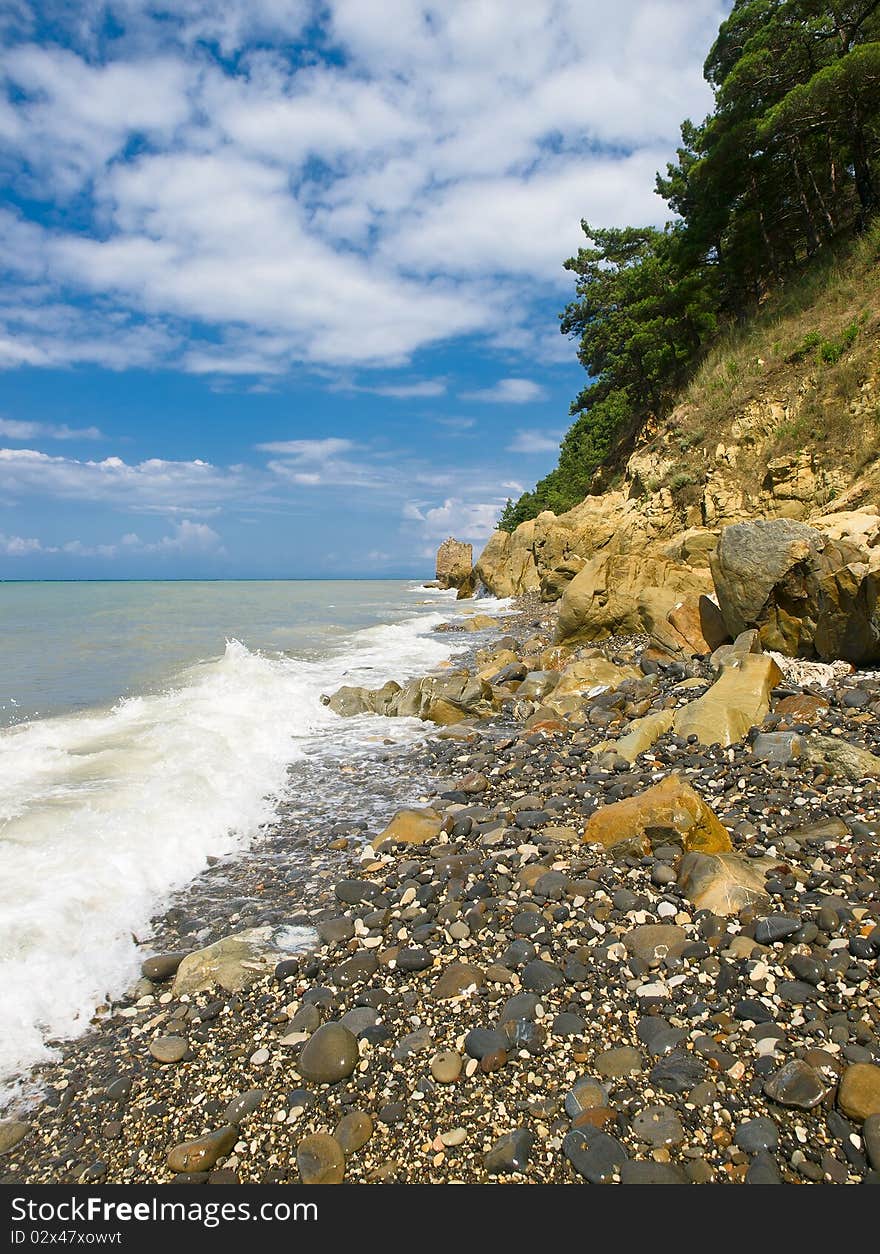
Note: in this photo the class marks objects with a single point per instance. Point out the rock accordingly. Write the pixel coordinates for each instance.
(621, 1061)
(608, 595)
(859, 1093)
(202, 1153)
(446, 1066)
(480, 622)
(678, 1072)
(168, 1048)
(233, 963)
(455, 560)
(329, 1055)
(537, 685)
(455, 980)
(349, 701)
(763, 1170)
(590, 674)
(774, 927)
(723, 883)
(12, 1131)
(670, 812)
(658, 1125)
(652, 942)
(834, 754)
(587, 1094)
(871, 1138)
(757, 1134)
(811, 592)
(594, 1154)
(353, 1131)
(510, 1153)
(161, 966)
(796, 1084)
(749, 562)
(539, 976)
(640, 735)
(320, 1159)
(411, 827)
(737, 701)
(243, 1105)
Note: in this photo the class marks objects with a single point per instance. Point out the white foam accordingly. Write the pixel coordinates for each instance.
(103, 814)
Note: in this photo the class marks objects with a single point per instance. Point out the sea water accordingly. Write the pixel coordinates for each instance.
(147, 726)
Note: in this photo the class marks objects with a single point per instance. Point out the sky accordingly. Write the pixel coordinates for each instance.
(281, 280)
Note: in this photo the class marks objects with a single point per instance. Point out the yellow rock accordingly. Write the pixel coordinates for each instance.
(593, 672)
(859, 1093)
(724, 883)
(737, 701)
(479, 622)
(446, 713)
(642, 733)
(669, 813)
(202, 1154)
(411, 827)
(496, 661)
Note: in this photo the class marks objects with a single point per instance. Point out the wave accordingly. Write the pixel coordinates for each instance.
(104, 813)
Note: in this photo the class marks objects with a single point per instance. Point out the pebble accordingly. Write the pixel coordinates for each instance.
(658, 1125)
(446, 1066)
(168, 1048)
(757, 1134)
(796, 1084)
(12, 1131)
(329, 1055)
(320, 1160)
(353, 1131)
(510, 1153)
(202, 1153)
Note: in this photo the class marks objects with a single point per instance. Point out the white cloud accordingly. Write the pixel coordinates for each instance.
(187, 539)
(420, 177)
(20, 546)
(308, 450)
(471, 521)
(535, 442)
(13, 429)
(154, 485)
(508, 392)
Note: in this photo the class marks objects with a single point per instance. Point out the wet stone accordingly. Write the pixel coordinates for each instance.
(594, 1155)
(796, 1084)
(329, 1055)
(658, 1035)
(763, 1170)
(243, 1105)
(586, 1094)
(482, 1041)
(510, 1153)
(168, 1049)
(567, 1024)
(446, 1066)
(658, 1125)
(353, 1131)
(678, 1072)
(414, 960)
(320, 1160)
(360, 1019)
(775, 927)
(202, 1153)
(757, 1134)
(618, 1062)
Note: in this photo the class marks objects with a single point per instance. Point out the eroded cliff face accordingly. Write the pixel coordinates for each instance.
(651, 539)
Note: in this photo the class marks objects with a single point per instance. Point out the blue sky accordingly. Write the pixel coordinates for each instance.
(281, 280)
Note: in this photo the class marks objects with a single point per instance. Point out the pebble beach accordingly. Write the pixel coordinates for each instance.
(454, 981)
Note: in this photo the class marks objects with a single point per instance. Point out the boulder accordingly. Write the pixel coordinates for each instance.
(723, 883)
(479, 622)
(859, 1093)
(670, 812)
(455, 560)
(593, 673)
(737, 701)
(833, 753)
(232, 963)
(640, 734)
(506, 567)
(349, 701)
(810, 593)
(411, 827)
(537, 685)
(609, 594)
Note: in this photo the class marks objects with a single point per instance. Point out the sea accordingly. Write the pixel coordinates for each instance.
(148, 726)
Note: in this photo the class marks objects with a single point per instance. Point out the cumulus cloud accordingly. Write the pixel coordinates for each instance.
(154, 485)
(187, 539)
(419, 176)
(472, 521)
(508, 392)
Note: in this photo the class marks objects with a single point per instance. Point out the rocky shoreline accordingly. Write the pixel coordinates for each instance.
(593, 945)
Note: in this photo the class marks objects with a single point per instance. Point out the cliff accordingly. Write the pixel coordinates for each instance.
(782, 420)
